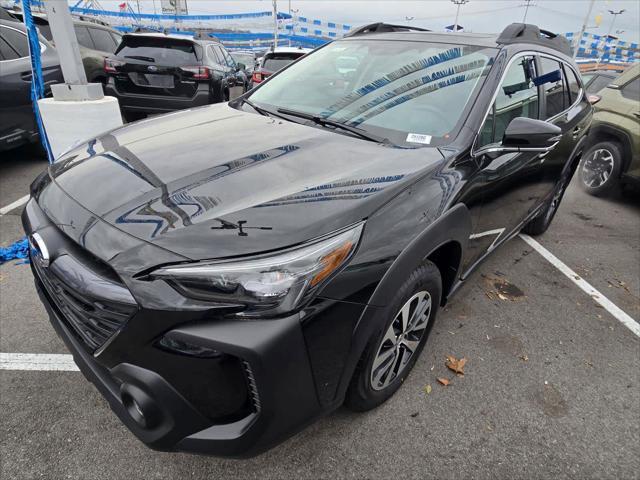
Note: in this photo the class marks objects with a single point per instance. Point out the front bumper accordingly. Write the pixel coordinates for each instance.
(284, 396)
(272, 377)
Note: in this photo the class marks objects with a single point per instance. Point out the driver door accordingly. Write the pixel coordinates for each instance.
(509, 182)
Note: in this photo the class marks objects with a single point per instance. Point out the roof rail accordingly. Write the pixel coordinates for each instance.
(381, 27)
(527, 33)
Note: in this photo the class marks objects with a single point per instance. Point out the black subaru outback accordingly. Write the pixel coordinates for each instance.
(228, 274)
(158, 73)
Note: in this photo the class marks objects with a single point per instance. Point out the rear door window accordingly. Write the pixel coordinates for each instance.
(552, 81)
(82, 34)
(103, 40)
(161, 51)
(17, 40)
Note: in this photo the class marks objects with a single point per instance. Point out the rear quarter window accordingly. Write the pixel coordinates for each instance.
(573, 82)
(84, 39)
(17, 40)
(103, 40)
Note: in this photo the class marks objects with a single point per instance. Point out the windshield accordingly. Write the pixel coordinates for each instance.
(412, 93)
(246, 58)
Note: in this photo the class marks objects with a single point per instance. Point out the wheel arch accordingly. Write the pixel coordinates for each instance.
(447, 236)
(443, 242)
(605, 132)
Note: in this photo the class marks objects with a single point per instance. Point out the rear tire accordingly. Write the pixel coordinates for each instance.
(601, 168)
(394, 349)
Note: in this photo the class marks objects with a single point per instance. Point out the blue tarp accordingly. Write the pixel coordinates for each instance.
(16, 251)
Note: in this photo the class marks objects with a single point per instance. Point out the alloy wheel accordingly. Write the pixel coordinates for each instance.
(597, 168)
(401, 340)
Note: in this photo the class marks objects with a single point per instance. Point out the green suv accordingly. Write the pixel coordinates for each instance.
(614, 156)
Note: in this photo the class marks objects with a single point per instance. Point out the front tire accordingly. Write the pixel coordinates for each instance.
(601, 168)
(394, 349)
(541, 222)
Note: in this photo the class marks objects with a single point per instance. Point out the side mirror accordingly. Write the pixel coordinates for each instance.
(524, 135)
(593, 99)
(240, 66)
(527, 134)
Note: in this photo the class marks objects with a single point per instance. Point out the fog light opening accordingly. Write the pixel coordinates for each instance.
(134, 409)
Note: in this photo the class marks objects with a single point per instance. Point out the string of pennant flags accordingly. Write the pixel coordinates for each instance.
(607, 48)
(299, 30)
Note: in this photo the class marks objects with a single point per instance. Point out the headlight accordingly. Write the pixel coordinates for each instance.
(268, 284)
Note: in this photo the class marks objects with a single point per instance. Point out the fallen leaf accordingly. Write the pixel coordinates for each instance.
(455, 365)
(427, 389)
(444, 381)
(524, 358)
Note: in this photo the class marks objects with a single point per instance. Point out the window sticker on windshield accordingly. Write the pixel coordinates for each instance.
(417, 138)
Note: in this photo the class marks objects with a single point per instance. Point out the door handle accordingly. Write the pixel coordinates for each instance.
(576, 132)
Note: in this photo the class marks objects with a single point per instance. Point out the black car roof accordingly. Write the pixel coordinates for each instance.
(516, 33)
(474, 39)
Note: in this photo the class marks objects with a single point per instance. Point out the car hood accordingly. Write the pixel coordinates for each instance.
(216, 182)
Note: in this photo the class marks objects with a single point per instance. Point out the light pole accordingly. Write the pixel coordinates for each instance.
(459, 3)
(584, 28)
(613, 21)
(275, 24)
(295, 12)
(526, 10)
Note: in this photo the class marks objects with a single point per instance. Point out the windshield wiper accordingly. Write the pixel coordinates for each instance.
(144, 59)
(338, 125)
(263, 111)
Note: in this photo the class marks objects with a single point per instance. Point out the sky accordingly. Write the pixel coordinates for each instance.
(477, 15)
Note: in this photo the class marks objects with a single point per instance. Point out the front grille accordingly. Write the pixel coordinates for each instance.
(93, 320)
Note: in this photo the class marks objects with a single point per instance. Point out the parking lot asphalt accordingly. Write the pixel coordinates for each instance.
(551, 386)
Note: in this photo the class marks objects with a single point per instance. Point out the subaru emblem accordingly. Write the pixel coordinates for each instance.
(152, 68)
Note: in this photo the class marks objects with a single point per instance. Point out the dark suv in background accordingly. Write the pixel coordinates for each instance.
(96, 40)
(17, 120)
(157, 73)
(253, 265)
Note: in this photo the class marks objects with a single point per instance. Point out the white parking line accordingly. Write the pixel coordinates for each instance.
(585, 286)
(14, 205)
(38, 361)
